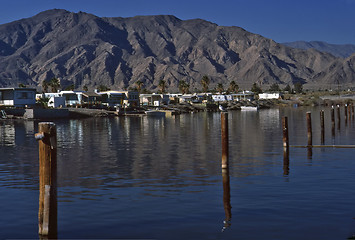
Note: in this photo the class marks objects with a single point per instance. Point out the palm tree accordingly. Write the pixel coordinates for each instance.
(162, 85)
(70, 87)
(220, 88)
(139, 85)
(54, 84)
(45, 86)
(233, 87)
(256, 89)
(205, 81)
(102, 88)
(183, 87)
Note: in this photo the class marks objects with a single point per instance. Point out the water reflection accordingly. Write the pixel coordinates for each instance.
(168, 166)
(226, 200)
(286, 162)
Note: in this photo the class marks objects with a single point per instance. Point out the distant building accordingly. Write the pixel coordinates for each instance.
(72, 98)
(17, 97)
(154, 99)
(56, 102)
(113, 98)
(270, 95)
(244, 95)
(91, 98)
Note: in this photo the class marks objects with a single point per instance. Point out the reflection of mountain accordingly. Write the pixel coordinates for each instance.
(150, 152)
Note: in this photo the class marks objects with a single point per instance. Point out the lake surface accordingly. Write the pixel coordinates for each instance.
(161, 178)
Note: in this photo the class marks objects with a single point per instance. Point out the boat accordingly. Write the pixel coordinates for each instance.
(155, 113)
(249, 108)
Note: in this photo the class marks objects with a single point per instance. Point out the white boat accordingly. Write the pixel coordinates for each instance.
(248, 108)
(155, 113)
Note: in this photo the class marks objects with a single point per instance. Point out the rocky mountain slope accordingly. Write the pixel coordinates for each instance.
(338, 50)
(83, 49)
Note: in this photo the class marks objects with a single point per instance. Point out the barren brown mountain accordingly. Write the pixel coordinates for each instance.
(86, 50)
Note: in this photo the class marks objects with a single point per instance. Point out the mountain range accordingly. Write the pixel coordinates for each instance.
(82, 49)
(338, 50)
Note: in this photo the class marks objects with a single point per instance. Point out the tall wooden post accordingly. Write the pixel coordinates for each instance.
(338, 111)
(322, 126)
(309, 128)
(333, 121)
(225, 141)
(346, 114)
(47, 213)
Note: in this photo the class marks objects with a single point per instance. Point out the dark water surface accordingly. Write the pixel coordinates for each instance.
(160, 178)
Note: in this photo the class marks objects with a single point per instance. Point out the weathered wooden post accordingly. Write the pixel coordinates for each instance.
(225, 141)
(346, 114)
(226, 199)
(349, 113)
(322, 125)
(333, 121)
(309, 128)
(338, 111)
(352, 111)
(47, 214)
(285, 132)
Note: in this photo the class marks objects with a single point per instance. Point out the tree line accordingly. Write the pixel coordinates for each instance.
(184, 88)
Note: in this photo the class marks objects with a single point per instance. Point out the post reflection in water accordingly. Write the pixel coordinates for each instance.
(309, 153)
(286, 161)
(226, 199)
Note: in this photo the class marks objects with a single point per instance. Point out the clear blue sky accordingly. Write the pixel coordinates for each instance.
(332, 21)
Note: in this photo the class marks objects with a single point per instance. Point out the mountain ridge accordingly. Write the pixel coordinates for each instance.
(338, 50)
(82, 49)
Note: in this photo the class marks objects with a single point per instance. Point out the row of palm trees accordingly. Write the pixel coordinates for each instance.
(54, 85)
(184, 86)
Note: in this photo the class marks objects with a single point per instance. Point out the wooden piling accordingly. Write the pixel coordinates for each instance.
(346, 114)
(225, 140)
(338, 111)
(309, 128)
(322, 126)
(285, 132)
(349, 113)
(47, 213)
(333, 121)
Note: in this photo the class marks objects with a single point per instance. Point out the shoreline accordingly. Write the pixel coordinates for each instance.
(176, 109)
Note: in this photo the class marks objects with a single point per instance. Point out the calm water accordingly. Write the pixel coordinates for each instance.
(160, 178)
